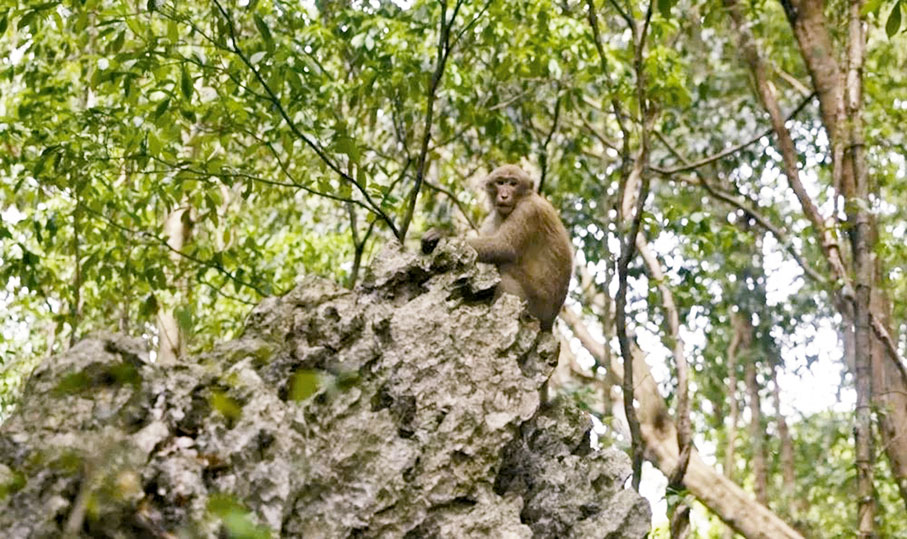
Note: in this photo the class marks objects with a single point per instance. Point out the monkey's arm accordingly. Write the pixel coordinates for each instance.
(504, 245)
(493, 250)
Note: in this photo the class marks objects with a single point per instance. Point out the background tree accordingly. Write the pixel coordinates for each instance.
(295, 138)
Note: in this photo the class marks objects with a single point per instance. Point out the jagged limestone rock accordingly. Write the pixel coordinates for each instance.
(408, 407)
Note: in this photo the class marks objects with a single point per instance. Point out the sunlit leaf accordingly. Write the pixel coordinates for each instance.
(225, 405)
(894, 20)
(871, 6)
(303, 384)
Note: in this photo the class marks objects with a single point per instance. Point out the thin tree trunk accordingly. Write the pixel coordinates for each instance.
(733, 404)
(787, 446)
(171, 340)
(757, 433)
(890, 400)
(861, 238)
(443, 51)
(754, 402)
(680, 512)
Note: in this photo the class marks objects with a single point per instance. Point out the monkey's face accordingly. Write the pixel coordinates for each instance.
(506, 187)
(506, 192)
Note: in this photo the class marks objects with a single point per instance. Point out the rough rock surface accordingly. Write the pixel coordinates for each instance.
(408, 407)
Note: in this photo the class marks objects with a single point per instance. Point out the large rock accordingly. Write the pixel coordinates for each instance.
(408, 407)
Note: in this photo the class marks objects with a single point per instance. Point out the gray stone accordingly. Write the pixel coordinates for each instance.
(408, 407)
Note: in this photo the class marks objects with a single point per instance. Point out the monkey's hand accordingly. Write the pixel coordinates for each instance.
(430, 240)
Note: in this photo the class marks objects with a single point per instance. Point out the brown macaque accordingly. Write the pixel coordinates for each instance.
(524, 237)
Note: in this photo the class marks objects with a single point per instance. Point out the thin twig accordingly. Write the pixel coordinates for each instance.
(444, 48)
(156, 239)
(733, 149)
(544, 156)
(455, 200)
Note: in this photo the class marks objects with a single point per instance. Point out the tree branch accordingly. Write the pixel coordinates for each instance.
(163, 241)
(729, 151)
(237, 50)
(786, 144)
(455, 200)
(444, 48)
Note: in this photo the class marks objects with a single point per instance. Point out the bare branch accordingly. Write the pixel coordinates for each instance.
(544, 157)
(729, 151)
(455, 200)
(444, 48)
(675, 342)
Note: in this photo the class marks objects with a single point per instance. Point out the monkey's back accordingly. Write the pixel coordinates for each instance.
(546, 265)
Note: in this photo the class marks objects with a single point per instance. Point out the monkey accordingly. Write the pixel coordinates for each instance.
(524, 237)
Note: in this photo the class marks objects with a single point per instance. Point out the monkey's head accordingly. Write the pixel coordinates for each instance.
(506, 186)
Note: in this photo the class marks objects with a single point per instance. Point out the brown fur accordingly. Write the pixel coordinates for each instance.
(524, 237)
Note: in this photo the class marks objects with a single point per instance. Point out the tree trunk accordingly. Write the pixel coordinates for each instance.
(787, 448)
(890, 399)
(733, 405)
(744, 327)
(757, 433)
(171, 340)
(679, 511)
(862, 245)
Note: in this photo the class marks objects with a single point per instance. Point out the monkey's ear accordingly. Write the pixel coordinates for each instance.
(529, 185)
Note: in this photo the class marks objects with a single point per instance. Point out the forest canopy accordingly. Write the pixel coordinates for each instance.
(732, 176)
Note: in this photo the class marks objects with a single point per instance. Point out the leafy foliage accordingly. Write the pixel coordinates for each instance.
(293, 134)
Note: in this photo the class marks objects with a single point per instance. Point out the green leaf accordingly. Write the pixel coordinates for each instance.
(264, 31)
(227, 406)
(149, 306)
(154, 144)
(664, 7)
(186, 82)
(304, 384)
(184, 318)
(894, 20)
(872, 6)
(117, 43)
(161, 108)
(347, 145)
